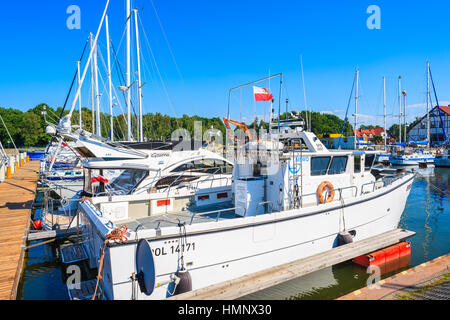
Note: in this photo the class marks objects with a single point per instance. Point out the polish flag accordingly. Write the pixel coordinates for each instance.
(262, 94)
(99, 179)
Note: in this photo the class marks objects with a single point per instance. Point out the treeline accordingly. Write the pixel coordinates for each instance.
(27, 129)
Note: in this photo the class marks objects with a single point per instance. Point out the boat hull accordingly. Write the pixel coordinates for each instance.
(228, 251)
(442, 161)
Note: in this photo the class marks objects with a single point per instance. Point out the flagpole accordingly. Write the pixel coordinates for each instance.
(246, 85)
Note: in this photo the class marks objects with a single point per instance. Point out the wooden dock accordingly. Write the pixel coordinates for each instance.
(234, 289)
(16, 200)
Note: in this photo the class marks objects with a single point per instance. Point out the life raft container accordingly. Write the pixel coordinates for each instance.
(326, 186)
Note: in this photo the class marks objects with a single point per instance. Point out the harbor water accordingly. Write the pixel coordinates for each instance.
(427, 213)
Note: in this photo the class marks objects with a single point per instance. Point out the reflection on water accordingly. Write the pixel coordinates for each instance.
(427, 213)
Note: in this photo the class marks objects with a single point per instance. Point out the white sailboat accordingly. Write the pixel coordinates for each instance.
(414, 156)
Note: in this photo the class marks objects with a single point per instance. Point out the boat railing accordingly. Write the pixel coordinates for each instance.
(373, 186)
(50, 215)
(327, 192)
(219, 213)
(265, 204)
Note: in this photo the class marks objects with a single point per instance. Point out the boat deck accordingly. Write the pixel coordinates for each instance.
(16, 200)
(204, 214)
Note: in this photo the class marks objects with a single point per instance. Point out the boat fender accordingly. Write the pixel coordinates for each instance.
(344, 238)
(37, 225)
(56, 227)
(185, 284)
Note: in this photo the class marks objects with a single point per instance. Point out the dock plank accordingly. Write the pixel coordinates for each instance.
(237, 288)
(16, 199)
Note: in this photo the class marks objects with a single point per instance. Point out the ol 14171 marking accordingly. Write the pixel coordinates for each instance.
(164, 251)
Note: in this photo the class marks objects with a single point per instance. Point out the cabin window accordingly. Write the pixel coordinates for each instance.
(209, 166)
(174, 181)
(338, 165)
(126, 181)
(370, 159)
(357, 160)
(319, 165)
(185, 167)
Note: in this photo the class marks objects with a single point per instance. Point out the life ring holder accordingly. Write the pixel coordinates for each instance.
(295, 170)
(326, 186)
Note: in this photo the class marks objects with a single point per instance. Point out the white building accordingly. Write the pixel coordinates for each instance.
(419, 131)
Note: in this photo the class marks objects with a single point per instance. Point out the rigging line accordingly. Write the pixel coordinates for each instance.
(120, 73)
(159, 74)
(438, 107)
(9, 134)
(346, 113)
(73, 80)
(167, 41)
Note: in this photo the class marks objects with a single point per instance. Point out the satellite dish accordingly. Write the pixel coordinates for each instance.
(145, 266)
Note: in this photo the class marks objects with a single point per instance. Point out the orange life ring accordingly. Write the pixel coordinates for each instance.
(326, 185)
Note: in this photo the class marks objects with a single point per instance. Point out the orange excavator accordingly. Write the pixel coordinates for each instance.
(239, 125)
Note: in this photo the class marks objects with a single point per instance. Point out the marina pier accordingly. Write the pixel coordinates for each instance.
(246, 285)
(16, 200)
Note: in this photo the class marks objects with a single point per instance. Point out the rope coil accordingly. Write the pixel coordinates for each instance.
(118, 235)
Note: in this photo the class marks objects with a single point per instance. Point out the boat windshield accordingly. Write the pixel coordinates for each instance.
(112, 182)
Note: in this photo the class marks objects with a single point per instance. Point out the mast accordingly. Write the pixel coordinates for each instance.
(92, 87)
(428, 105)
(108, 46)
(400, 109)
(308, 125)
(404, 115)
(128, 73)
(97, 93)
(384, 108)
(356, 108)
(79, 98)
(138, 53)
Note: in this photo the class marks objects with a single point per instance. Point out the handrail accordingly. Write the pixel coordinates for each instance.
(216, 211)
(264, 203)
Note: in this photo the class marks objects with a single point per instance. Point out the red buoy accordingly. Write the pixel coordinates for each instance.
(37, 225)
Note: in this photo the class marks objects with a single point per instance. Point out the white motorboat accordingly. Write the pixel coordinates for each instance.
(299, 203)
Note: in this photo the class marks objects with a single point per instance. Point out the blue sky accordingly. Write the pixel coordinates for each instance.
(218, 45)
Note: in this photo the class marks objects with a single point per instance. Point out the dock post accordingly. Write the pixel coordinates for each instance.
(8, 172)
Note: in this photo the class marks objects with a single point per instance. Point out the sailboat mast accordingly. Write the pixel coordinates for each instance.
(384, 108)
(79, 98)
(128, 73)
(400, 109)
(404, 116)
(428, 105)
(97, 93)
(138, 53)
(308, 125)
(92, 87)
(356, 108)
(108, 47)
